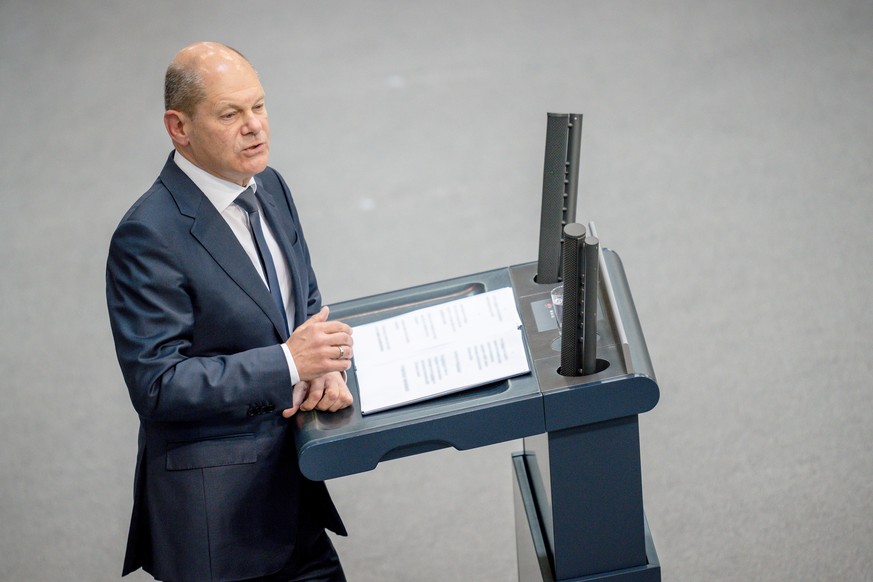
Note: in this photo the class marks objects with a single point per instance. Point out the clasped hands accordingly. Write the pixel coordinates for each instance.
(322, 351)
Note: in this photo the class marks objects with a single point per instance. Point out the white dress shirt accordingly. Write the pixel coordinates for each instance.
(222, 194)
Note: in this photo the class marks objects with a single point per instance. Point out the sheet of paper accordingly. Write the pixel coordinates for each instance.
(438, 350)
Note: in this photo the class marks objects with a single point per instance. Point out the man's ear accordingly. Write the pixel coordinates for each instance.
(176, 123)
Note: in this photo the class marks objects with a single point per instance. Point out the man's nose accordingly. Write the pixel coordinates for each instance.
(253, 124)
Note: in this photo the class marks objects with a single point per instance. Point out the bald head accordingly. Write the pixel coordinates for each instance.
(191, 69)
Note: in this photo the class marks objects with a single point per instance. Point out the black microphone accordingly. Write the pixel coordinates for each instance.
(560, 185)
(590, 284)
(572, 330)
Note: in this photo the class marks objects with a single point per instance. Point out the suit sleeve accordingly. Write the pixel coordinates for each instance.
(152, 317)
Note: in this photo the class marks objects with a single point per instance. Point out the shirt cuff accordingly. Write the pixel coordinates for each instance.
(292, 367)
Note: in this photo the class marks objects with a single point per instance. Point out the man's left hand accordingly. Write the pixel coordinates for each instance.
(327, 393)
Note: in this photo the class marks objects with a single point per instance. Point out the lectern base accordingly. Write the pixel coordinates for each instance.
(532, 547)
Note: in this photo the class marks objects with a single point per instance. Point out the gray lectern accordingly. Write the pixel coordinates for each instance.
(578, 486)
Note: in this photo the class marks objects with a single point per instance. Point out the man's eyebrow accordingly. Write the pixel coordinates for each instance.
(236, 104)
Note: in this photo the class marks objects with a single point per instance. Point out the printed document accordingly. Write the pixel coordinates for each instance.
(438, 350)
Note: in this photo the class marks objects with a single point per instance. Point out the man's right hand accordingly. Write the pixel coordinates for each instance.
(319, 346)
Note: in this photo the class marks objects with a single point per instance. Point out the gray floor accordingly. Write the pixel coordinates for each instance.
(726, 154)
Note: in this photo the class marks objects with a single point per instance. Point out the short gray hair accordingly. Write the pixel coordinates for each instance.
(183, 89)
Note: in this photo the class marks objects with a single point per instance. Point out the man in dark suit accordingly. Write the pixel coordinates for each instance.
(221, 338)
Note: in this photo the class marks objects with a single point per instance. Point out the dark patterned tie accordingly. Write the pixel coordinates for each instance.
(246, 201)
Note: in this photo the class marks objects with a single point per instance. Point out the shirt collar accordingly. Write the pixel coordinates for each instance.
(220, 192)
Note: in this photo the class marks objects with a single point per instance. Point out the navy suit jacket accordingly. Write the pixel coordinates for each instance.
(218, 494)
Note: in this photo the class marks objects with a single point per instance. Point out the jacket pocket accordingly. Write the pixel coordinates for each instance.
(217, 452)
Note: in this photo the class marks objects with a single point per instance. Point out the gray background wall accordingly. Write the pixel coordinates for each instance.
(726, 156)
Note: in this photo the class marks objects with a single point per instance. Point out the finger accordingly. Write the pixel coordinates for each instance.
(316, 390)
(298, 394)
(337, 353)
(334, 327)
(319, 317)
(344, 365)
(340, 403)
(329, 397)
(344, 398)
(339, 339)
(342, 352)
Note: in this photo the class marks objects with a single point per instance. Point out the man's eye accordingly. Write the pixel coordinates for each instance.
(228, 115)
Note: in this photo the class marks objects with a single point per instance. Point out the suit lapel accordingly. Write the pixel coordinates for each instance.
(211, 231)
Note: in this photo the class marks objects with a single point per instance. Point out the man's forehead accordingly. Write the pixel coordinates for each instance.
(233, 87)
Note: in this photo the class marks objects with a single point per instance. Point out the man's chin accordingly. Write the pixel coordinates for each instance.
(257, 165)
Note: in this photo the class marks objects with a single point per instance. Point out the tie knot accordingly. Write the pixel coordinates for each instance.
(246, 200)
